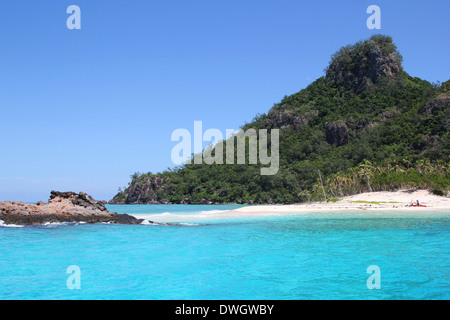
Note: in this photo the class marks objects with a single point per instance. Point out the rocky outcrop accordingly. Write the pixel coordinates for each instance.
(78, 199)
(437, 104)
(337, 133)
(144, 190)
(280, 118)
(365, 64)
(62, 207)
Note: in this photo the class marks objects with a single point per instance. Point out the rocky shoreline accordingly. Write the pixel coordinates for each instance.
(62, 207)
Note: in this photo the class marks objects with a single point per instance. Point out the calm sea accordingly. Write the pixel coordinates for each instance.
(206, 255)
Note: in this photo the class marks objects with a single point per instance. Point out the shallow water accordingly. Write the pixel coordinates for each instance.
(213, 256)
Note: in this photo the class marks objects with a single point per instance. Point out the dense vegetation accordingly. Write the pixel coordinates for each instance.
(365, 126)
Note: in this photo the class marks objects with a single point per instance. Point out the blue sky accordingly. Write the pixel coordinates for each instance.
(84, 109)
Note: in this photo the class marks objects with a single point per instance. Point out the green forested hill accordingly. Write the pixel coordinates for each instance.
(366, 125)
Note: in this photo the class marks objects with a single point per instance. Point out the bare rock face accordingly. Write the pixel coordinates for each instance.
(62, 207)
(300, 121)
(77, 199)
(143, 191)
(337, 133)
(280, 118)
(437, 104)
(365, 64)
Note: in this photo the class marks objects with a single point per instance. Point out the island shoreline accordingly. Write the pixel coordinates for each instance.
(392, 201)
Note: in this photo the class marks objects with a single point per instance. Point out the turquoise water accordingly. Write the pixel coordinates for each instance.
(209, 256)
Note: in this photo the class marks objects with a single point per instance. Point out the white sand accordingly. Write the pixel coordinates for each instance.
(392, 201)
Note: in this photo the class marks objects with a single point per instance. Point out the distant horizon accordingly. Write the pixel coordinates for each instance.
(84, 109)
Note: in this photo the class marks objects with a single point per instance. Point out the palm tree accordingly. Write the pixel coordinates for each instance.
(321, 183)
(424, 166)
(388, 164)
(354, 178)
(367, 171)
(347, 182)
(339, 181)
(406, 162)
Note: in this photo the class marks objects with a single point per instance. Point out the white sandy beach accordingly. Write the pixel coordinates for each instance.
(392, 201)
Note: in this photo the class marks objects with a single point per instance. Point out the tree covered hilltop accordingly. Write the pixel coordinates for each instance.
(367, 125)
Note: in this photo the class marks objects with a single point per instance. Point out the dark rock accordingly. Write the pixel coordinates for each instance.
(365, 64)
(142, 191)
(62, 207)
(300, 121)
(81, 199)
(186, 201)
(436, 104)
(337, 133)
(280, 118)
(386, 115)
